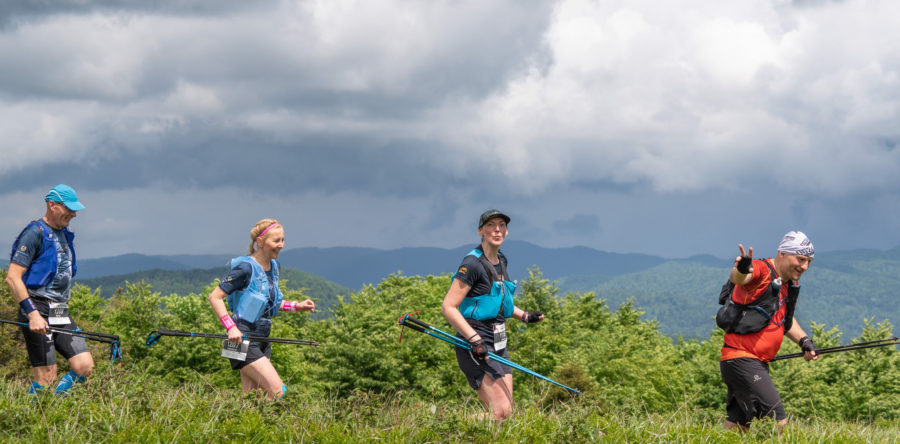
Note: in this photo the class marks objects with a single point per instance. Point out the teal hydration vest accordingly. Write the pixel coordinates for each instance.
(43, 268)
(501, 299)
(250, 303)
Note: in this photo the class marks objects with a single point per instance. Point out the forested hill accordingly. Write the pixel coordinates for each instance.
(184, 282)
(841, 288)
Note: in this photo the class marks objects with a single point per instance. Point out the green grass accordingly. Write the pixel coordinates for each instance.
(119, 404)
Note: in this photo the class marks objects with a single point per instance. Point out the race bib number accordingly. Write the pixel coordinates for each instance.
(231, 350)
(59, 313)
(499, 337)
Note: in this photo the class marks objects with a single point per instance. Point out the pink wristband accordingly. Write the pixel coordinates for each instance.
(289, 305)
(226, 322)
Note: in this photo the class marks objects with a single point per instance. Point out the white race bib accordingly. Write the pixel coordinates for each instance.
(59, 314)
(499, 337)
(235, 351)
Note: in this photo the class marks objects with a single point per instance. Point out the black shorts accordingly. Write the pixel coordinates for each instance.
(41, 349)
(474, 369)
(751, 392)
(257, 350)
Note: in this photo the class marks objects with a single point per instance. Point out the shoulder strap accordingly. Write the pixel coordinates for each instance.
(503, 272)
(728, 288)
(771, 268)
(774, 288)
(793, 294)
(40, 225)
(489, 267)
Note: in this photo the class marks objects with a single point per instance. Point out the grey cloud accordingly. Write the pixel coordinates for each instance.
(589, 121)
(578, 224)
(18, 12)
(329, 163)
(288, 64)
(814, 3)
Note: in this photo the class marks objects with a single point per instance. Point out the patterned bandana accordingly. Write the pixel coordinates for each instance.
(795, 242)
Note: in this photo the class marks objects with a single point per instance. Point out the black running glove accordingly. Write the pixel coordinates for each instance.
(479, 350)
(807, 344)
(532, 317)
(743, 265)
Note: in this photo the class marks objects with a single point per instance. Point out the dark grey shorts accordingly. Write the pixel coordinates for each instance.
(474, 369)
(41, 349)
(257, 350)
(751, 392)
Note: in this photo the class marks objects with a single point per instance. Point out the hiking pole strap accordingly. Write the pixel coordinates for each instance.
(115, 351)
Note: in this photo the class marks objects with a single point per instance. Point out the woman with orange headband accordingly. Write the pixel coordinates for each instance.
(251, 290)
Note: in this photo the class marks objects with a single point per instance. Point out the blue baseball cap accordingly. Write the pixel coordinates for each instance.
(66, 195)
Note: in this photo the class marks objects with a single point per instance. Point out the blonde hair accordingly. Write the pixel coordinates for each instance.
(258, 229)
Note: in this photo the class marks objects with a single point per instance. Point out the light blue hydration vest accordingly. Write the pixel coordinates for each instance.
(501, 300)
(250, 303)
(43, 268)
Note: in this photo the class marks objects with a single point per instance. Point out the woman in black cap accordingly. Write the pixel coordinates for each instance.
(477, 305)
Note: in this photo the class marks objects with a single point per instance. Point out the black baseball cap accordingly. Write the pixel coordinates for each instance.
(490, 214)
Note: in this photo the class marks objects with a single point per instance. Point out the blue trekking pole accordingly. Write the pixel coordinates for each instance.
(419, 326)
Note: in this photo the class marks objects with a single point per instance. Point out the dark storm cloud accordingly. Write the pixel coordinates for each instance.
(316, 164)
(249, 65)
(14, 12)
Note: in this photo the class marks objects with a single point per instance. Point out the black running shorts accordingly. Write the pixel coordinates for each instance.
(474, 369)
(41, 348)
(257, 350)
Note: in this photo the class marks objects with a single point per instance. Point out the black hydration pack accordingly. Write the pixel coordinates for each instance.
(753, 317)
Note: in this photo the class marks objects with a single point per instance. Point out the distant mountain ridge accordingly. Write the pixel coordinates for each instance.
(353, 267)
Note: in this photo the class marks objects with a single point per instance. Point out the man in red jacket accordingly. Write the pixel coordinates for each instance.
(768, 286)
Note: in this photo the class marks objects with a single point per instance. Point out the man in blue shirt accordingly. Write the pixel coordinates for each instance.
(42, 265)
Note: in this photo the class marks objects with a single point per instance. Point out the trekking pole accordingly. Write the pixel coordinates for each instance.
(842, 348)
(419, 326)
(155, 336)
(115, 347)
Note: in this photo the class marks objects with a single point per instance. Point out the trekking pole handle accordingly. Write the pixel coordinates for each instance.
(416, 321)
